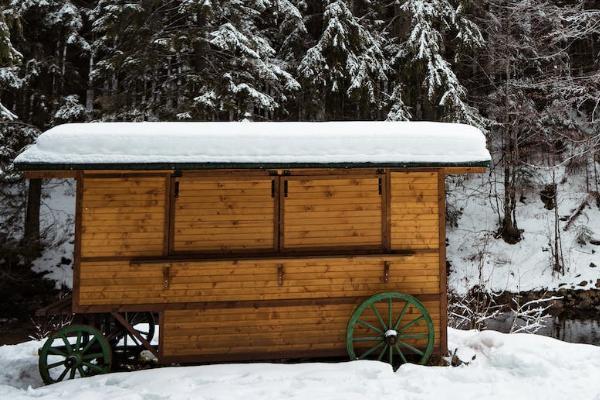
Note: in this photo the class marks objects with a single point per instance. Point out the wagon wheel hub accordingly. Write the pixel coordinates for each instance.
(390, 337)
(73, 361)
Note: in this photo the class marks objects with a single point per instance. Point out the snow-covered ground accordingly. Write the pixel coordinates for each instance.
(517, 366)
(527, 264)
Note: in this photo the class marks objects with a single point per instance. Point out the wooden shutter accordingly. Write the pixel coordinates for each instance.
(415, 210)
(224, 214)
(331, 212)
(123, 216)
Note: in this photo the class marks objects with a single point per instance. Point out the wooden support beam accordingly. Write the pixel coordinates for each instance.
(50, 174)
(135, 333)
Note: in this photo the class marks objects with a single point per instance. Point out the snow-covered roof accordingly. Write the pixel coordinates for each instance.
(171, 145)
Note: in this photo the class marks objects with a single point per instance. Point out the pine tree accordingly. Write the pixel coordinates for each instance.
(10, 58)
(346, 62)
(420, 55)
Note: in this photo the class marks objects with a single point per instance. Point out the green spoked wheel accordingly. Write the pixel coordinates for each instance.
(74, 351)
(391, 327)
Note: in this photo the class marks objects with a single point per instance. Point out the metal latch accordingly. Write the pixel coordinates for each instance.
(386, 271)
(166, 276)
(280, 274)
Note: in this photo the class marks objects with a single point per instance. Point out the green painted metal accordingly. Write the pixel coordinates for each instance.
(75, 350)
(377, 334)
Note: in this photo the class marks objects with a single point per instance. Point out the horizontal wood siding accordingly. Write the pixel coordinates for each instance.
(123, 216)
(224, 214)
(117, 282)
(332, 212)
(265, 330)
(414, 210)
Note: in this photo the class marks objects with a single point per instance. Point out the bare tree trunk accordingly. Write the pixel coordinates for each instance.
(510, 231)
(32, 216)
(89, 94)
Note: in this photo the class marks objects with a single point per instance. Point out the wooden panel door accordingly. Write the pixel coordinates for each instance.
(224, 214)
(332, 212)
(123, 216)
(415, 210)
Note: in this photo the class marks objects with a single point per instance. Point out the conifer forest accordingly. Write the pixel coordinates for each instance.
(526, 72)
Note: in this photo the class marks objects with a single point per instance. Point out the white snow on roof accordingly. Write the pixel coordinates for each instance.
(258, 142)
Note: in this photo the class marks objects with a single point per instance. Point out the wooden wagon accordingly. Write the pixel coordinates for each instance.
(255, 241)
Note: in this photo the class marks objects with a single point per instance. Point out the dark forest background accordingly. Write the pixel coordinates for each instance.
(526, 72)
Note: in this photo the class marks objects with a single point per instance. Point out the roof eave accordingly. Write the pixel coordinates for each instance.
(32, 166)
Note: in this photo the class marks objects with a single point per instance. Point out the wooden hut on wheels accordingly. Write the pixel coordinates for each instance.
(250, 241)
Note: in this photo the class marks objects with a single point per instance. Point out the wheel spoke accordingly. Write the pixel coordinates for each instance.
(368, 325)
(404, 360)
(382, 353)
(391, 355)
(72, 373)
(55, 351)
(371, 350)
(414, 336)
(89, 344)
(411, 323)
(404, 310)
(389, 311)
(62, 375)
(93, 366)
(56, 364)
(372, 306)
(367, 339)
(81, 372)
(78, 341)
(67, 344)
(413, 348)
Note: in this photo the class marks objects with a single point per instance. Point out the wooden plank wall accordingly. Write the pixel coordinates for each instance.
(414, 210)
(332, 212)
(266, 332)
(123, 216)
(224, 214)
(118, 282)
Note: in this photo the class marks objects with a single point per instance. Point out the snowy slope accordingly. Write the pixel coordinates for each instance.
(511, 367)
(527, 264)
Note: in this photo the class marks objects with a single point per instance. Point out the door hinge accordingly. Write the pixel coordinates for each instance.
(272, 187)
(380, 185)
(285, 188)
(176, 189)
